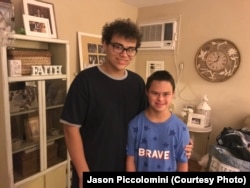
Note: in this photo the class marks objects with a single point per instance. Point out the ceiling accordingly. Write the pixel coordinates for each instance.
(146, 3)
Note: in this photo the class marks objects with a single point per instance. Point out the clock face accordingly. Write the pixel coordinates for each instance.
(217, 60)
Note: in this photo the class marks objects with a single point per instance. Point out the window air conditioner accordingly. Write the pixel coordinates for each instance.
(158, 36)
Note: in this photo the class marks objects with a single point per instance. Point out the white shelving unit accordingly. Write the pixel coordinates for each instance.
(33, 150)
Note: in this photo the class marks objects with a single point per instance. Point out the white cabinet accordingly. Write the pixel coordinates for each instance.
(33, 150)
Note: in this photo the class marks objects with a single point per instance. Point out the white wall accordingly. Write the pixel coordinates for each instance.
(200, 21)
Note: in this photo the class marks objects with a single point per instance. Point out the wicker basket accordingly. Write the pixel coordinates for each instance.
(30, 57)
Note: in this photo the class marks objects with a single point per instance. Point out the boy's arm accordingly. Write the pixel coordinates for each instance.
(130, 164)
(189, 148)
(182, 167)
(74, 144)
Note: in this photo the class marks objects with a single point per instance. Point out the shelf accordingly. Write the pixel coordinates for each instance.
(23, 112)
(32, 150)
(26, 146)
(38, 39)
(200, 130)
(34, 145)
(54, 106)
(34, 110)
(35, 78)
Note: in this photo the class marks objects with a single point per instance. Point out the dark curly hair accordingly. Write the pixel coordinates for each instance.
(122, 27)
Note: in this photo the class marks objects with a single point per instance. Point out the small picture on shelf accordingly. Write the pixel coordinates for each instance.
(35, 26)
(196, 120)
(32, 128)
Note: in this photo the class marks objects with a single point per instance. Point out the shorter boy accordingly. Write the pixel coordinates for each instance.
(156, 137)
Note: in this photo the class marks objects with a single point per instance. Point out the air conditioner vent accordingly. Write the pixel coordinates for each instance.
(151, 32)
(158, 35)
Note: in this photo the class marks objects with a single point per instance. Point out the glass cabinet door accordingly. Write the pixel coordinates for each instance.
(55, 96)
(37, 135)
(25, 128)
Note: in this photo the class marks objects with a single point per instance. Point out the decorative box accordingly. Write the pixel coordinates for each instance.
(14, 68)
(52, 154)
(27, 163)
(62, 149)
(29, 57)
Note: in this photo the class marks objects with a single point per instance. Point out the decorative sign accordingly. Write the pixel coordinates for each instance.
(46, 70)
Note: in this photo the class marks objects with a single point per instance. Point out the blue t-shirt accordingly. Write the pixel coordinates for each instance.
(157, 146)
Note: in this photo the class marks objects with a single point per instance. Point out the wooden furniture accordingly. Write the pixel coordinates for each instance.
(33, 150)
(193, 166)
(199, 132)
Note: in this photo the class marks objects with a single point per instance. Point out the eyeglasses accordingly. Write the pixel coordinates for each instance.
(119, 48)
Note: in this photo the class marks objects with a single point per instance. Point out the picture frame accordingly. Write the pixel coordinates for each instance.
(32, 129)
(102, 59)
(196, 120)
(91, 52)
(152, 66)
(35, 26)
(42, 10)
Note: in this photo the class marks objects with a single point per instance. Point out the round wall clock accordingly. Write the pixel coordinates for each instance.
(217, 60)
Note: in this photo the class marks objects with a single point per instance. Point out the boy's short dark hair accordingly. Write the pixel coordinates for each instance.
(122, 27)
(161, 75)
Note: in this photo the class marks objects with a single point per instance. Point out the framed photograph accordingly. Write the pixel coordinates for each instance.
(6, 16)
(42, 10)
(35, 26)
(101, 49)
(153, 66)
(102, 59)
(32, 128)
(93, 59)
(196, 120)
(91, 52)
(92, 48)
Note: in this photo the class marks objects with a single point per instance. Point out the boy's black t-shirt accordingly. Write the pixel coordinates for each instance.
(103, 107)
